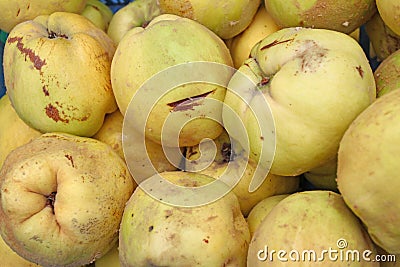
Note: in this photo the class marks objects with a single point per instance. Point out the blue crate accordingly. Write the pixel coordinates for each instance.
(3, 37)
(115, 5)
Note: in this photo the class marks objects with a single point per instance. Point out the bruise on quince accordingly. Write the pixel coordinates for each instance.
(297, 69)
(343, 16)
(45, 80)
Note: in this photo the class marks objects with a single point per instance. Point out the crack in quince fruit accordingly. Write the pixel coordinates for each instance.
(188, 103)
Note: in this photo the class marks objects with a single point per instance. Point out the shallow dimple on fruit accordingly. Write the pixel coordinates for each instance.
(212, 218)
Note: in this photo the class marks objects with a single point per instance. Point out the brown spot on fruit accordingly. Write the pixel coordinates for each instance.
(312, 57)
(84, 118)
(212, 218)
(45, 91)
(205, 241)
(69, 157)
(86, 228)
(360, 71)
(36, 238)
(53, 113)
(151, 227)
(171, 237)
(168, 213)
(38, 63)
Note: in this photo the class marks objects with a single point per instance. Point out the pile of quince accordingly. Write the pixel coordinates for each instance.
(200, 133)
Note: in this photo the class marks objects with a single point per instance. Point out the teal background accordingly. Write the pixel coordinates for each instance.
(3, 37)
